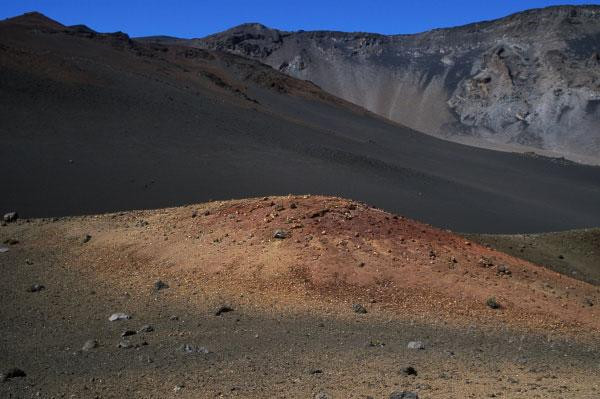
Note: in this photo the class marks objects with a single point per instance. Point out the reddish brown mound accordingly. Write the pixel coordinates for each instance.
(335, 250)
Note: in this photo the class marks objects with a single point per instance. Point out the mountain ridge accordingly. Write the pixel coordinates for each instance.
(528, 81)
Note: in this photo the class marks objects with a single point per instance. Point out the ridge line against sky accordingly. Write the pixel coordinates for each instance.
(192, 19)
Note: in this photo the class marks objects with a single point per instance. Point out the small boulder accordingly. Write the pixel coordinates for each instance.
(415, 345)
(410, 370)
(86, 238)
(160, 285)
(280, 234)
(119, 316)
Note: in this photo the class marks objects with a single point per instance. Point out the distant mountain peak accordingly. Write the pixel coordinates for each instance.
(35, 19)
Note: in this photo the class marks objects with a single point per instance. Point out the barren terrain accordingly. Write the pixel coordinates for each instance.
(293, 328)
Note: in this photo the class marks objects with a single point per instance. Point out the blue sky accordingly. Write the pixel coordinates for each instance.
(188, 18)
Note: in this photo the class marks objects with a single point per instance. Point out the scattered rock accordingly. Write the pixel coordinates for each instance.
(86, 238)
(160, 285)
(293, 205)
(485, 262)
(279, 208)
(319, 213)
(376, 343)
(415, 345)
(358, 308)
(119, 316)
(128, 333)
(280, 234)
(12, 373)
(10, 217)
(192, 349)
(89, 345)
(492, 303)
(178, 388)
(410, 370)
(146, 329)
(124, 345)
(36, 288)
(404, 395)
(316, 371)
(588, 301)
(322, 395)
(141, 223)
(503, 270)
(223, 309)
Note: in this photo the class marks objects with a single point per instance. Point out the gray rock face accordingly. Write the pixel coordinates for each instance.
(529, 80)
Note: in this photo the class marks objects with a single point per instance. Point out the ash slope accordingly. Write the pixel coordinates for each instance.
(292, 332)
(97, 122)
(529, 80)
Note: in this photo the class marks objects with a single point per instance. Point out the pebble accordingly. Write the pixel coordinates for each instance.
(322, 395)
(124, 345)
(192, 349)
(358, 308)
(160, 285)
(410, 370)
(146, 329)
(128, 333)
(415, 345)
(404, 395)
(90, 344)
(36, 288)
(119, 316)
(10, 217)
(223, 309)
(280, 234)
(86, 238)
(12, 373)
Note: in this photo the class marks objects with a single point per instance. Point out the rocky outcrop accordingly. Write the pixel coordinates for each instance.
(531, 79)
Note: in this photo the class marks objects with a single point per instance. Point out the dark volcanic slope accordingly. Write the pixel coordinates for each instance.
(530, 80)
(97, 122)
(575, 253)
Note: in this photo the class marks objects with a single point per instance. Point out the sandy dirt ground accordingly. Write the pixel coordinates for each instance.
(293, 329)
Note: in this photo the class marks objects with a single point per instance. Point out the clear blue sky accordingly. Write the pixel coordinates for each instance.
(188, 18)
